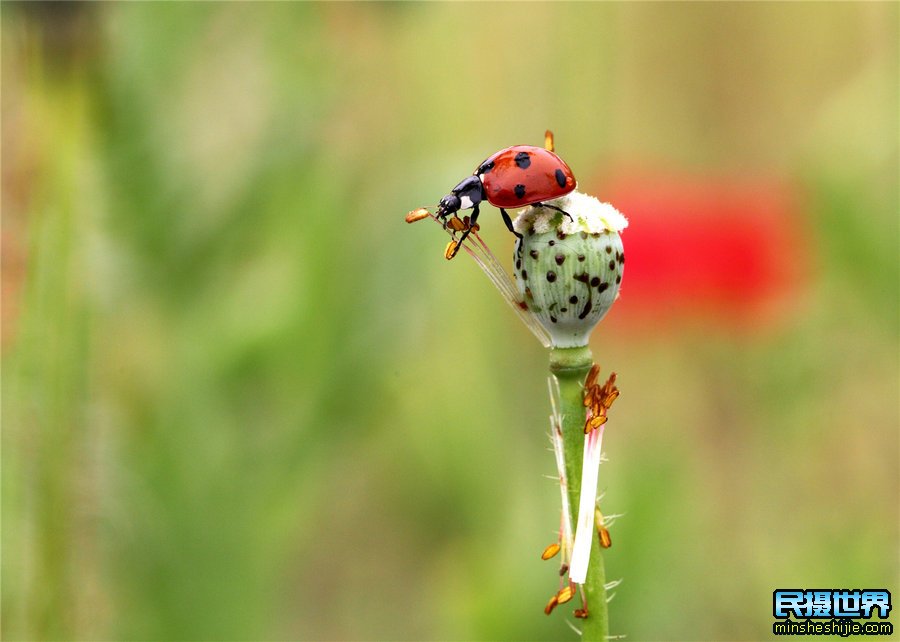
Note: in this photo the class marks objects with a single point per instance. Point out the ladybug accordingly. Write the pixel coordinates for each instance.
(513, 177)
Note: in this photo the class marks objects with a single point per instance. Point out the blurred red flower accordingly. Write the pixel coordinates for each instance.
(707, 250)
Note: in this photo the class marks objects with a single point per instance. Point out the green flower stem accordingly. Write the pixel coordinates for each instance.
(570, 366)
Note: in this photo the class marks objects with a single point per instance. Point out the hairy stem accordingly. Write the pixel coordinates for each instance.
(570, 367)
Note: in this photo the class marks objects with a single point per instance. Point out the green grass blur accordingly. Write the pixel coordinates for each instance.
(243, 400)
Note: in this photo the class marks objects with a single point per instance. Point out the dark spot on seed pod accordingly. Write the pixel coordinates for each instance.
(573, 299)
(551, 243)
(552, 318)
(560, 258)
(619, 279)
(564, 309)
(534, 254)
(551, 276)
(608, 249)
(583, 277)
(622, 258)
(586, 311)
(523, 160)
(595, 235)
(524, 275)
(612, 265)
(523, 305)
(584, 235)
(602, 286)
(519, 190)
(560, 177)
(531, 232)
(595, 281)
(528, 293)
(518, 264)
(560, 235)
(581, 257)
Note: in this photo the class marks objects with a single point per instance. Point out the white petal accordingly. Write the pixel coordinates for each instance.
(584, 531)
(559, 450)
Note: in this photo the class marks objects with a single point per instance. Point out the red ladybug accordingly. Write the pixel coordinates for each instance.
(513, 177)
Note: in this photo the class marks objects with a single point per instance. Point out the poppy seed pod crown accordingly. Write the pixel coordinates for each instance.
(569, 270)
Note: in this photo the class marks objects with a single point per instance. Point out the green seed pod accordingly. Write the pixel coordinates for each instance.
(569, 271)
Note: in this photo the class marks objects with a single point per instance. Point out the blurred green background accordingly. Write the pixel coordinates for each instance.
(243, 400)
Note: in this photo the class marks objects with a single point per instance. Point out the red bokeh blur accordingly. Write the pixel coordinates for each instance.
(708, 251)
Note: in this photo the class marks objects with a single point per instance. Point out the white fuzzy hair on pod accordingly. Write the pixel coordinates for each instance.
(588, 213)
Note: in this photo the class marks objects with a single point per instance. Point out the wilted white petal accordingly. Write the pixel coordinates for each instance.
(584, 531)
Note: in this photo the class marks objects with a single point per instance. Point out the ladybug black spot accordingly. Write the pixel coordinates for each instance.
(519, 190)
(560, 178)
(484, 169)
(523, 160)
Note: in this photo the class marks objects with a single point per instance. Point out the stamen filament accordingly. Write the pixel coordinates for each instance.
(499, 277)
(485, 259)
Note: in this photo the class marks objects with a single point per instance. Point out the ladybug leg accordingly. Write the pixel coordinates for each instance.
(465, 233)
(508, 222)
(553, 207)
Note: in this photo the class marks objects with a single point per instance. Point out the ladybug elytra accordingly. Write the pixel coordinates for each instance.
(513, 177)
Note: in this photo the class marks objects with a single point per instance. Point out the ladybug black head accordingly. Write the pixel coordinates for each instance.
(448, 205)
(468, 194)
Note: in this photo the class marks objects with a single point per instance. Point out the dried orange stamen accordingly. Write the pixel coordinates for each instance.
(450, 250)
(565, 594)
(592, 376)
(551, 605)
(417, 215)
(602, 531)
(456, 224)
